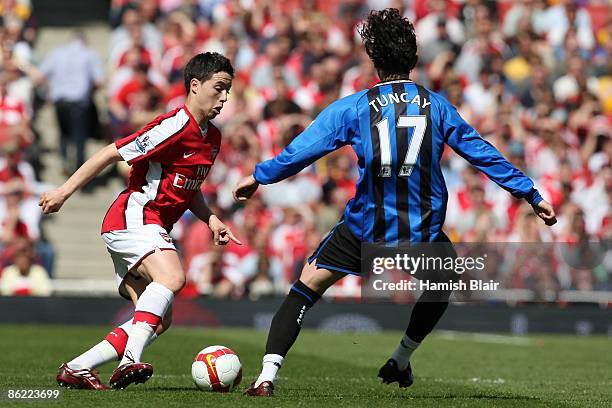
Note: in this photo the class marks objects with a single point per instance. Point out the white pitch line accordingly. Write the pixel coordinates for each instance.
(484, 338)
(468, 380)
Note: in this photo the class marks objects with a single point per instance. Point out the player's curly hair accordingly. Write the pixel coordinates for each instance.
(390, 42)
(203, 66)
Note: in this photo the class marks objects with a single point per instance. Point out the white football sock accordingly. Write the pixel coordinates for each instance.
(271, 364)
(139, 336)
(403, 352)
(102, 352)
(99, 354)
(153, 303)
(95, 356)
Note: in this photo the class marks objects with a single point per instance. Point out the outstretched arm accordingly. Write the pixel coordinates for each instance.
(221, 232)
(52, 201)
(332, 129)
(485, 157)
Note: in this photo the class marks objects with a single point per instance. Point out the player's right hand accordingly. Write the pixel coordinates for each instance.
(52, 201)
(245, 188)
(545, 211)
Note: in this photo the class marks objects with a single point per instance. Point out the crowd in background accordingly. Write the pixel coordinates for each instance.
(533, 77)
(26, 259)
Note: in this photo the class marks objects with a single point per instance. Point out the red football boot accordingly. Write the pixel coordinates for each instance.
(265, 389)
(84, 379)
(130, 373)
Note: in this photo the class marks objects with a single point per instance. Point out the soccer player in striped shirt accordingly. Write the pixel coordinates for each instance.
(398, 130)
(170, 159)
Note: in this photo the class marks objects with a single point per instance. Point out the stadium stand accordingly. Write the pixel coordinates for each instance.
(532, 76)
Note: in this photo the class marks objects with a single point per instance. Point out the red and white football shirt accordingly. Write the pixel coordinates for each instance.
(170, 158)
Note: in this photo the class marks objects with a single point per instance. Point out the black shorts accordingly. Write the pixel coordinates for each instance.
(340, 251)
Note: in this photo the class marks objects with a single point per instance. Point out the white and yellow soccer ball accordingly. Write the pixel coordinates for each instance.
(216, 368)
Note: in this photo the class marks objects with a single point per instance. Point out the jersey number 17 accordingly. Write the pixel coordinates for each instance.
(419, 123)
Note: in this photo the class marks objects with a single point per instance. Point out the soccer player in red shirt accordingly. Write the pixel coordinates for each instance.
(170, 158)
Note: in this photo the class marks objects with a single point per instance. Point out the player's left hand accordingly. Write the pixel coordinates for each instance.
(221, 232)
(245, 188)
(545, 211)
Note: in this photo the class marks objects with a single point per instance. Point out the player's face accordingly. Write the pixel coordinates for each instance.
(212, 94)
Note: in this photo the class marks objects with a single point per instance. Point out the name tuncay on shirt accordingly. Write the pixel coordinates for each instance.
(404, 97)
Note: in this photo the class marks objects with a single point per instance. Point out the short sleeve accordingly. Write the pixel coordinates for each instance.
(153, 138)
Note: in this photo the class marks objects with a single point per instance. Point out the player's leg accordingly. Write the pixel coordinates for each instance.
(164, 271)
(287, 322)
(338, 254)
(78, 373)
(113, 345)
(426, 313)
(104, 351)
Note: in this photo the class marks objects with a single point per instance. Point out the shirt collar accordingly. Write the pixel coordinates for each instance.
(396, 81)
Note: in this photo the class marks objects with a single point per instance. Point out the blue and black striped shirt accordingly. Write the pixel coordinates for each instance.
(398, 130)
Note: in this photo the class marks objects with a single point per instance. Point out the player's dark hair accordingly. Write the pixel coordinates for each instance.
(390, 42)
(203, 66)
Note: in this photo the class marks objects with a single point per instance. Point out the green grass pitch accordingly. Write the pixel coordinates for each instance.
(451, 370)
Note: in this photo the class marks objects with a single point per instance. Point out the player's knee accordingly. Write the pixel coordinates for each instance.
(174, 281)
(311, 280)
(178, 283)
(316, 279)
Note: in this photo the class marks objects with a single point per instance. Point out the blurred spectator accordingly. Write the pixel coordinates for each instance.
(72, 72)
(567, 16)
(571, 87)
(14, 116)
(134, 103)
(24, 277)
(525, 13)
(134, 27)
(274, 59)
(19, 187)
(224, 272)
(19, 9)
(130, 66)
(438, 24)
(13, 39)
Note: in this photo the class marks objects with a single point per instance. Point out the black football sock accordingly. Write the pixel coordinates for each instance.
(426, 313)
(287, 321)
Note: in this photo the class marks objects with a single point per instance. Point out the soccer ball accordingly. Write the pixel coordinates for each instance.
(216, 368)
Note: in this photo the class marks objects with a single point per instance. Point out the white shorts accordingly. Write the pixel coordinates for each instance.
(129, 247)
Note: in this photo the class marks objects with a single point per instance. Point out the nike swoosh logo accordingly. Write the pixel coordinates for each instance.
(186, 155)
(209, 358)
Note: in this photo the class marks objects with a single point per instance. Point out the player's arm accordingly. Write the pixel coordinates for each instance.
(331, 130)
(485, 157)
(221, 232)
(52, 201)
